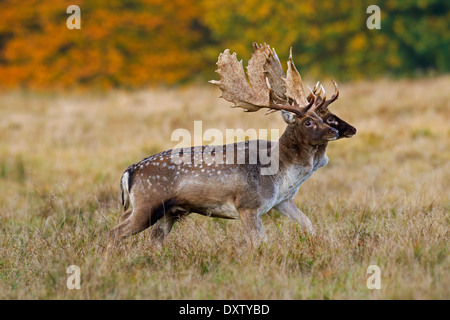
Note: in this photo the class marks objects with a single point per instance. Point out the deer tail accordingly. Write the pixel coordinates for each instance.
(124, 185)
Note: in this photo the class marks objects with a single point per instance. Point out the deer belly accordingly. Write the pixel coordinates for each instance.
(217, 210)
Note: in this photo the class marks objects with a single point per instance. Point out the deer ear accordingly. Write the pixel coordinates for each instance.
(288, 117)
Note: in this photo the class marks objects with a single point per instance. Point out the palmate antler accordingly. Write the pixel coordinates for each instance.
(275, 74)
(257, 92)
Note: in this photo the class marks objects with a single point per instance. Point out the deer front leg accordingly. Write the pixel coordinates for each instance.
(253, 226)
(290, 210)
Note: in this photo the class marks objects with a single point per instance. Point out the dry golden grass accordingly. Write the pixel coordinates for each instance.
(383, 199)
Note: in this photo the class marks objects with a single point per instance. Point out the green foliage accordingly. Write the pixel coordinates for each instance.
(145, 42)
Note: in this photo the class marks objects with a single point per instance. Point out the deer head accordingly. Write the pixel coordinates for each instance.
(275, 75)
(345, 129)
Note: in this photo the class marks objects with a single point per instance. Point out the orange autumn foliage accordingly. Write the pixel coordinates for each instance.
(137, 43)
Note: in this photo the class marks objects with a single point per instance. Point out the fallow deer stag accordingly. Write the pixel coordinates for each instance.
(273, 70)
(159, 188)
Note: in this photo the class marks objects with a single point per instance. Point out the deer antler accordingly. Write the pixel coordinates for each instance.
(258, 94)
(255, 67)
(274, 72)
(294, 84)
(334, 96)
(280, 82)
(322, 102)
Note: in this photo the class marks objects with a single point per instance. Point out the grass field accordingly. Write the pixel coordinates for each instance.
(382, 200)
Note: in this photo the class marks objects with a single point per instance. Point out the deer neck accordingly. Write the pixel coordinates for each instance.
(321, 152)
(296, 151)
(296, 163)
(320, 158)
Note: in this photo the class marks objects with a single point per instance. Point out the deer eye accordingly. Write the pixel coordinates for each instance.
(330, 119)
(307, 123)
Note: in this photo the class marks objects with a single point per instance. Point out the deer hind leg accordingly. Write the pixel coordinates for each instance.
(290, 210)
(124, 215)
(140, 219)
(253, 226)
(162, 228)
(135, 223)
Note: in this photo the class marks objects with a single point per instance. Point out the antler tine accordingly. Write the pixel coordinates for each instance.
(333, 97)
(316, 87)
(257, 46)
(322, 89)
(336, 90)
(316, 91)
(313, 99)
(322, 100)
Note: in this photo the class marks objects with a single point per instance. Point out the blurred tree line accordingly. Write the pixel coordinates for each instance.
(136, 43)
